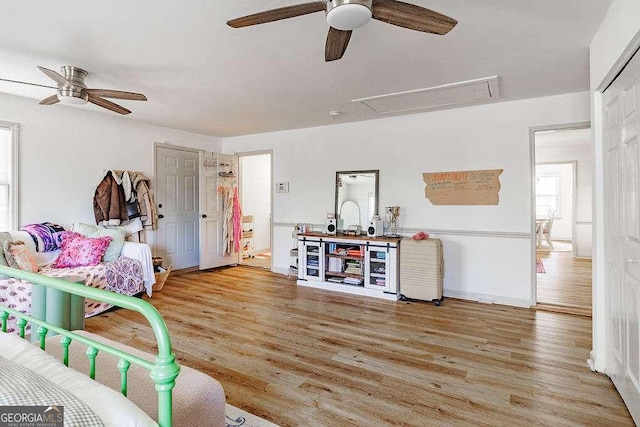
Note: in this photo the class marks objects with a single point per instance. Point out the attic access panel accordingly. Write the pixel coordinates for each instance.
(439, 97)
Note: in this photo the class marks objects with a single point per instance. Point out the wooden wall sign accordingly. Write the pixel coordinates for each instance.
(479, 187)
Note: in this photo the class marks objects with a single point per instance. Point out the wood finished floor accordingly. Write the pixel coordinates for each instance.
(306, 357)
(567, 281)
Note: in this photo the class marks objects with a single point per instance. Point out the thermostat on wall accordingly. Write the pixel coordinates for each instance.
(282, 187)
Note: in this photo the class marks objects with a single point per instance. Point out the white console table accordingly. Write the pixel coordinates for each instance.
(353, 264)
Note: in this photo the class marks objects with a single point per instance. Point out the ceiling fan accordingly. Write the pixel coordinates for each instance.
(343, 16)
(71, 89)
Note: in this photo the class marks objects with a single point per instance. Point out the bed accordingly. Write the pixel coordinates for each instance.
(130, 274)
(118, 385)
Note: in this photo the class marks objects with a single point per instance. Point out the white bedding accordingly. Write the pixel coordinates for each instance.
(113, 408)
(142, 253)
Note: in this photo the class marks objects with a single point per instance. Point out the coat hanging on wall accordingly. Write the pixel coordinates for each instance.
(124, 199)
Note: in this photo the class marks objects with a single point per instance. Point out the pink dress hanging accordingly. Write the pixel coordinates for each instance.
(237, 221)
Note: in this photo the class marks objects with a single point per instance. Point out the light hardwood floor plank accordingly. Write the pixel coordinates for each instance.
(299, 356)
(566, 284)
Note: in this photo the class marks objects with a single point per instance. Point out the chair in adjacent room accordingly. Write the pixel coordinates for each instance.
(547, 226)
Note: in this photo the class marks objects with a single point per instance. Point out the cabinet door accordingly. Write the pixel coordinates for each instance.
(382, 268)
(376, 269)
(313, 264)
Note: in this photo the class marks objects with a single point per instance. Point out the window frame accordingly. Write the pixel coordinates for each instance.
(14, 153)
(558, 195)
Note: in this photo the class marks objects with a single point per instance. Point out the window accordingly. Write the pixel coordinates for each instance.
(547, 194)
(8, 176)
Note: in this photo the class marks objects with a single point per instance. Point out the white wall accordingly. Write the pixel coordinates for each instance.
(256, 196)
(620, 25)
(64, 150)
(498, 265)
(584, 156)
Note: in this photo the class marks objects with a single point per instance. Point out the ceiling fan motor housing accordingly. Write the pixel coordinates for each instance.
(348, 14)
(73, 94)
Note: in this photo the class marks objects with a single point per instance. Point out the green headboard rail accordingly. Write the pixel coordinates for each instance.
(163, 371)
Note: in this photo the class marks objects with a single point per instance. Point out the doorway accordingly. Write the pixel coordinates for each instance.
(562, 182)
(255, 171)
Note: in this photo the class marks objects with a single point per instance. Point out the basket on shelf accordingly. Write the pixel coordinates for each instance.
(161, 277)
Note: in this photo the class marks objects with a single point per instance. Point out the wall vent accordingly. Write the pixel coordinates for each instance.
(440, 97)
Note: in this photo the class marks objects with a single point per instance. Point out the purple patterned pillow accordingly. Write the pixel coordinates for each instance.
(79, 251)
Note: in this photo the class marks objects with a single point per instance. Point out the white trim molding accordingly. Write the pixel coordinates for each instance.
(441, 232)
(14, 174)
(486, 298)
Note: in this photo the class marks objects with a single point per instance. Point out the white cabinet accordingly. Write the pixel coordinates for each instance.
(356, 265)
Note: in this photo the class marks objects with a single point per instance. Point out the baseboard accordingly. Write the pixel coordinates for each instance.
(487, 298)
(280, 270)
(591, 361)
(185, 270)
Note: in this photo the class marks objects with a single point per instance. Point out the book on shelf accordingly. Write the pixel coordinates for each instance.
(352, 281)
(336, 265)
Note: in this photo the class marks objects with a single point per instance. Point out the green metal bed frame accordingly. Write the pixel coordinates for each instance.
(163, 371)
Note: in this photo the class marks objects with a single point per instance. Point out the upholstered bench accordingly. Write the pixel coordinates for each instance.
(198, 399)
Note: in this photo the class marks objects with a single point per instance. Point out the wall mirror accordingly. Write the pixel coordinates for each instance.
(356, 196)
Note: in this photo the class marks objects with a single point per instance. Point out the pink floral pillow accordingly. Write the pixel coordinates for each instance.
(79, 251)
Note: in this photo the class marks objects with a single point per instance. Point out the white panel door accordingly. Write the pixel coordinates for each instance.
(177, 188)
(622, 233)
(212, 253)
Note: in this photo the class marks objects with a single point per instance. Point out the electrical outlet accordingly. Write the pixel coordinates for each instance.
(282, 187)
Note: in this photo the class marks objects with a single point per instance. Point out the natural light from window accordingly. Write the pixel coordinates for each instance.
(547, 194)
(6, 160)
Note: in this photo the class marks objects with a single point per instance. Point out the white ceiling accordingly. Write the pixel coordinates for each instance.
(201, 75)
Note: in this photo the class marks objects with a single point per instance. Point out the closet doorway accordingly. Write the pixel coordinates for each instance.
(255, 170)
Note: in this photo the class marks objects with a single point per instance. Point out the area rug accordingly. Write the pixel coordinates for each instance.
(539, 266)
(236, 417)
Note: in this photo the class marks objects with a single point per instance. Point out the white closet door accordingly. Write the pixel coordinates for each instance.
(622, 233)
(212, 242)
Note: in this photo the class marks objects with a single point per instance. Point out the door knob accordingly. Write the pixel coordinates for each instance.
(204, 215)
(160, 216)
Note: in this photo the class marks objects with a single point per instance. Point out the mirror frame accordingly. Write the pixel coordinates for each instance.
(376, 173)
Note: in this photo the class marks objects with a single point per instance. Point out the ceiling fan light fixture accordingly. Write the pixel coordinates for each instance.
(348, 15)
(72, 96)
(71, 100)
